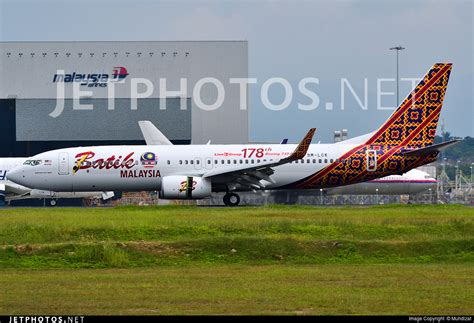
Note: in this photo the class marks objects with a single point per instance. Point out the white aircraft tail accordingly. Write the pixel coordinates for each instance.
(152, 135)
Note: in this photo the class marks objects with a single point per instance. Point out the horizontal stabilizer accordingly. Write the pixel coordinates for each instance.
(430, 149)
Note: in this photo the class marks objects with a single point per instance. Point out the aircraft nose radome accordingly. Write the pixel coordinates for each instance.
(15, 175)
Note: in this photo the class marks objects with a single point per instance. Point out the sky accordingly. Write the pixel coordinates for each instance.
(327, 40)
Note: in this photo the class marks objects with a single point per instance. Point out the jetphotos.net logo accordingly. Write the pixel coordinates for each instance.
(119, 73)
(143, 88)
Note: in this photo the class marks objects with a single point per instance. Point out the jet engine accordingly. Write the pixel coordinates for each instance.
(185, 187)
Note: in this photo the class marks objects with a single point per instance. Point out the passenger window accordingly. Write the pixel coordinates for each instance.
(252, 161)
(215, 161)
(191, 161)
(308, 161)
(314, 161)
(197, 162)
(325, 161)
(168, 162)
(208, 162)
(331, 160)
(180, 162)
(246, 161)
(258, 160)
(186, 161)
(320, 161)
(241, 161)
(235, 161)
(222, 161)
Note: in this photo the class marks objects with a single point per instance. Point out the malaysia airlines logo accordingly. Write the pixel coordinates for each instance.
(118, 74)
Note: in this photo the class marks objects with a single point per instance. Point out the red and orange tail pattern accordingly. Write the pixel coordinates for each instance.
(414, 122)
(412, 125)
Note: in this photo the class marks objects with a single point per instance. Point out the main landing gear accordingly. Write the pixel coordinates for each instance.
(231, 199)
(53, 202)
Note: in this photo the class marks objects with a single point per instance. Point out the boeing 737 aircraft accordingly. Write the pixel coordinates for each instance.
(403, 142)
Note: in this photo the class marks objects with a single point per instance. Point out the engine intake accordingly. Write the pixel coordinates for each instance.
(185, 187)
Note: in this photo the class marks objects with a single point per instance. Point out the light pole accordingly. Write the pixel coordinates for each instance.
(456, 176)
(397, 48)
(377, 192)
(472, 181)
(321, 191)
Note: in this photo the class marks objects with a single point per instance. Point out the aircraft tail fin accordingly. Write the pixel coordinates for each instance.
(414, 122)
(152, 135)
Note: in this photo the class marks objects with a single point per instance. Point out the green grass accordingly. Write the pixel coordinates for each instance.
(141, 237)
(252, 260)
(238, 289)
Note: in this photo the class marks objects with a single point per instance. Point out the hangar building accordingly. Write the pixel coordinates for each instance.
(63, 94)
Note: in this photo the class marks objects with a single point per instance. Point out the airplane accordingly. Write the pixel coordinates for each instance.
(414, 181)
(11, 191)
(403, 142)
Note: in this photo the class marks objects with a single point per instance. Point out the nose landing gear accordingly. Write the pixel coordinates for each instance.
(231, 199)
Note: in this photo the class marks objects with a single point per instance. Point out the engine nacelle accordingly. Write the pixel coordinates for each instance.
(185, 187)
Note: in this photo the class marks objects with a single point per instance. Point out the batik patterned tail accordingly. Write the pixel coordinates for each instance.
(412, 125)
(414, 122)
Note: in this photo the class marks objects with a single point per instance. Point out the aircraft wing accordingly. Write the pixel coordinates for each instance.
(251, 175)
(431, 149)
(152, 135)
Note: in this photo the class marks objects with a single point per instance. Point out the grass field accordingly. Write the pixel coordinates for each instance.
(266, 260)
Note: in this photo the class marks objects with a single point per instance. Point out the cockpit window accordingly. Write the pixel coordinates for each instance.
(32, 162)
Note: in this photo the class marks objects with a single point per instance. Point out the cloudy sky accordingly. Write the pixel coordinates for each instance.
(328, 40)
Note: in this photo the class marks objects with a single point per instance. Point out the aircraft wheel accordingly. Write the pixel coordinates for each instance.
(231, 199)
(53, 202)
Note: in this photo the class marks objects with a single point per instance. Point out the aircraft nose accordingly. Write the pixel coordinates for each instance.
(16, 175)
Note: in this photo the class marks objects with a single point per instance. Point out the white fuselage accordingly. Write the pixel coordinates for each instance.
(122, 168)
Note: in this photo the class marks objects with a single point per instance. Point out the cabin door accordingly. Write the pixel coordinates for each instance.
(63, 164)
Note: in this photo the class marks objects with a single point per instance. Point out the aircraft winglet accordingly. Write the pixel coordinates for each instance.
(303, 146)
